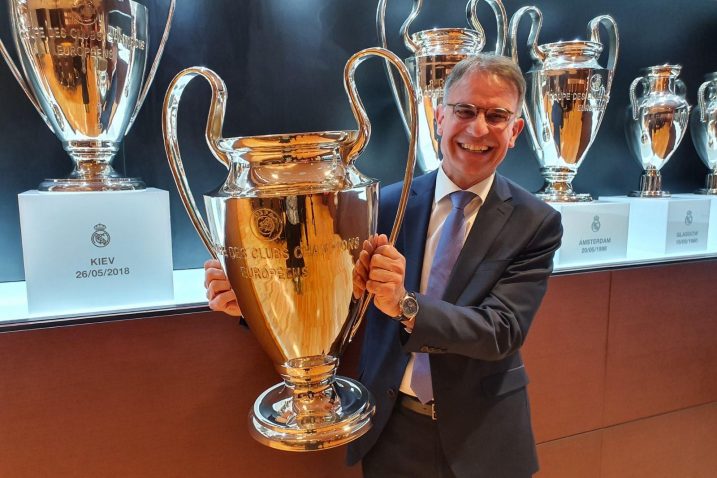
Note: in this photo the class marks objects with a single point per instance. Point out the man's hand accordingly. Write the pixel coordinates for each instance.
(360, 273)
(219, 292)
(387, 270)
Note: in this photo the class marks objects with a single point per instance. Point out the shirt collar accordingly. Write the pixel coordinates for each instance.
(444, 187)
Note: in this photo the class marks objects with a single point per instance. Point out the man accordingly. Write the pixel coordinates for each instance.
(455, 297)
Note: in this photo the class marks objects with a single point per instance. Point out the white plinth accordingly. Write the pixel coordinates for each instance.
(661, 226)
(712, 229)
(96, 250)
(593, 232)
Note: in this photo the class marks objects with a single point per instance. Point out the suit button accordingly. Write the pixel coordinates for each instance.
(391, 392)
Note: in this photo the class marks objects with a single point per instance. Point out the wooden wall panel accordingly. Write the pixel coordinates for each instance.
(565, 356)
(680, 444)
(662, 354)
(573, 457)
(162, 397)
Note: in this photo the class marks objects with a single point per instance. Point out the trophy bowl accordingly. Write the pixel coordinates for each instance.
(656, 124)
(703, 126)
(287, 226)
(84, 63)
(567, 94)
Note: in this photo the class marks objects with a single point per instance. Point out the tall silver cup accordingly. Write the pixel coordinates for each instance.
(288, 225)
(566, 98)
(656, 123)
(84, 63)
(703, 126)
(434, 53)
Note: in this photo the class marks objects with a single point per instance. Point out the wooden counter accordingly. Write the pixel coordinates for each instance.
(623, 368)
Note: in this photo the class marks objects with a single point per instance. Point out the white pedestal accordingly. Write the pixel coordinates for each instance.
(660, 226)
(712, 229)
(88, 251)
(593, 232)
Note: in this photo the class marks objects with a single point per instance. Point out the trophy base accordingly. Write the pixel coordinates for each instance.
(99, 184)
(273, 423)
(650, 194)
(558, 186)
(563, 197)
(705, 191)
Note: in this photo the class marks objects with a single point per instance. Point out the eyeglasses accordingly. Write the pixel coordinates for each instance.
(496, 117)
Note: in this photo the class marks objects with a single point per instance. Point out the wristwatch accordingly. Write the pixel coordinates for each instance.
(408, 306)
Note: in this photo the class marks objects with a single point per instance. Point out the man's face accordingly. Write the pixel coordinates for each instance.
(472, 149)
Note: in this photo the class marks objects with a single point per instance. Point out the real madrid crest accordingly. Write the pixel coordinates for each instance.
(100, 238)
(267, 224)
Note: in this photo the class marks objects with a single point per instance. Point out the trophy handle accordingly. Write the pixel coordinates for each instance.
(407, 40)
(20, 79)
(681, 87)
(213, 135)
(381, 31)
(500, 18)
(155, 64)
(536, 23)
(364, 131)
(536, 53)
(594, 32)
(633, 96)
(702, 99)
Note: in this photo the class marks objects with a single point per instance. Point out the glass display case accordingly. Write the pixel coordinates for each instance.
(284, 65)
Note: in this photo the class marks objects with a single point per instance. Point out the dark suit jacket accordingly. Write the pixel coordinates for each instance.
(474, 334)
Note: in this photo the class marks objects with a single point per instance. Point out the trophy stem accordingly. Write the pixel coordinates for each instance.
(93, 170)
(651, 185)
(558, 186)
(313, 409)
(710, 184)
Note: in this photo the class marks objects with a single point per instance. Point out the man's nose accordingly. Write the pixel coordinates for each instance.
(478, 127)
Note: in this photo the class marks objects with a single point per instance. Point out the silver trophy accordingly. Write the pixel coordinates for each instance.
(704, 130)
(434, 54)
(84, 63)
(566, 97)
(287, 225)
(656, 123)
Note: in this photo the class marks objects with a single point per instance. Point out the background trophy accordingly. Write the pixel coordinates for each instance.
(656, 123)
(567, 93)
(288, 225)
(84, 63)
(704, 130)
(434, 54)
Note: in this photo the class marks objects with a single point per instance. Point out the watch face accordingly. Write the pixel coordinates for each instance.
(409, 306)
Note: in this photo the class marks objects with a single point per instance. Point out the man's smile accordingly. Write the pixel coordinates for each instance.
(474, 148)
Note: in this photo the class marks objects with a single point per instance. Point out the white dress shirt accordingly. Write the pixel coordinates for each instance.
(439, 212)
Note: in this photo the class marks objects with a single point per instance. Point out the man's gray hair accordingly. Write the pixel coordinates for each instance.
(501, 66)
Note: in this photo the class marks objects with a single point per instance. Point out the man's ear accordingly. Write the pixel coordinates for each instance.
(439, 119)
(517, 127)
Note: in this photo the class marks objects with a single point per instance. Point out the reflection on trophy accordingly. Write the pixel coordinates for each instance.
(704, 130)
(288, 225)
(567, 93)
(434, 54)
(84, 64)
(656, 123)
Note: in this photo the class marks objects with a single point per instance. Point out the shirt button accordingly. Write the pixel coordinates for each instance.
(391, 392)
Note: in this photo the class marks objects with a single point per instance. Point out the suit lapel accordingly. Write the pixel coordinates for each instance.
(491, 218)
(415, 227)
